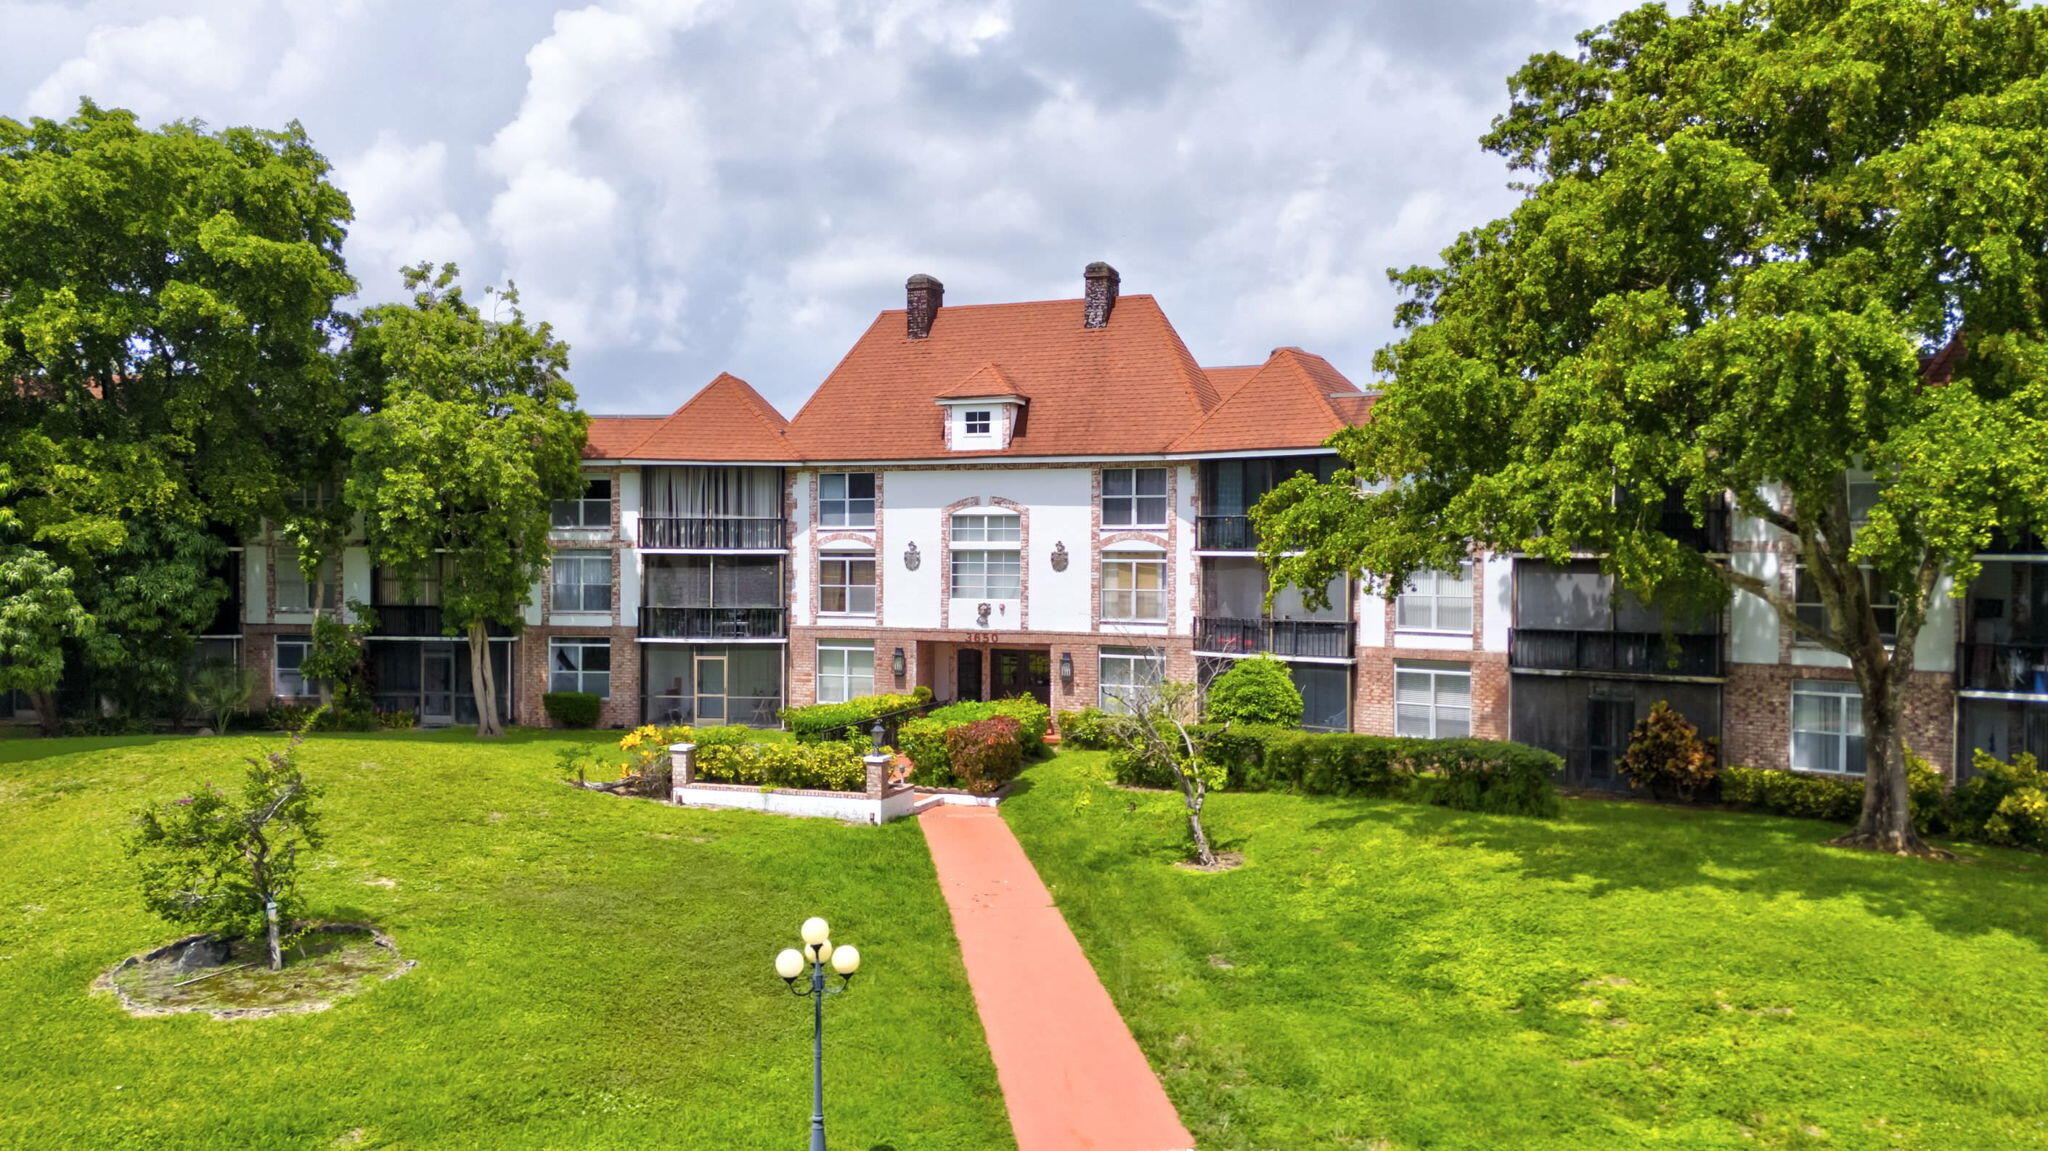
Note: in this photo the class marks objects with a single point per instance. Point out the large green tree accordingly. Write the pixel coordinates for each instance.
(1745, 229)
(38, 613)
(167, 324)
(477, 433)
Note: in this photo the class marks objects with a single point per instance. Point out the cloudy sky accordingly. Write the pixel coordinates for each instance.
(690, 186)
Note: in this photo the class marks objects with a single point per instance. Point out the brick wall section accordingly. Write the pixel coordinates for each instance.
(1084, 647)
(1372, 705)
(1756, 714)
(530, 654)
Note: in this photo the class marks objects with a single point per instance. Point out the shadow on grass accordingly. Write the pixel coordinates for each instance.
(1603, 847)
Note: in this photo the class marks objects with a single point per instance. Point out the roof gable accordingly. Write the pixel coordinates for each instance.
(1293, 400)
(727, 421)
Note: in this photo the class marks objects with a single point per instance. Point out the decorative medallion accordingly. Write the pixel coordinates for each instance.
(910, 557)
(981, 615)
(1059, 557)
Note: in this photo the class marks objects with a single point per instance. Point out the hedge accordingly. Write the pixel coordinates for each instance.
(571, 708)
(814, 766)
(1467, 774)
(848, 722)
(924, 739)
(1086, 730)
(2003, 803)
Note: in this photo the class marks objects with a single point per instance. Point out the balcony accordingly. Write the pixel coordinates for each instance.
(1710, 535)
(711, 623)
(1328, 639)
(1225, 534)
(227, 618)
(1644, 654)
(408, 620)
(711, 533)
(2005, 668)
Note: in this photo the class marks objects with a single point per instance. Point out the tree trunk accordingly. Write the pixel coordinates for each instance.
(45, 702)
(1886, 823)
(1193, 793)
(481, 683)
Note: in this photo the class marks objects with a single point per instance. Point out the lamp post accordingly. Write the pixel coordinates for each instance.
(817, 952)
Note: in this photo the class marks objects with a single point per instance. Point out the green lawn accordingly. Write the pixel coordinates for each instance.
(594, 971)
(1386, 975)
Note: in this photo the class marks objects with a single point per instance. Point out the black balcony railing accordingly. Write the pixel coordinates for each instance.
(1225, 533)
(1325, 638)
(1615, 652)
(710, 532)
(410, 619)
(711, 622)
(2013, 668)
(2011, 543)
(1709, 535)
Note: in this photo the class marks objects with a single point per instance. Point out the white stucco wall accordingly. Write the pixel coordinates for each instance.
(1497, 592)
(256, 583)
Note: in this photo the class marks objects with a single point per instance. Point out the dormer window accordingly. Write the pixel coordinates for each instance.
(978, 422)
(984, 412)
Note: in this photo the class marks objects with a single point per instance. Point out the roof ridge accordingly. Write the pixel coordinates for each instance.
(749, 398)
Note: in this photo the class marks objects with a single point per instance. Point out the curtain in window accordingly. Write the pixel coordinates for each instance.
(714, 493)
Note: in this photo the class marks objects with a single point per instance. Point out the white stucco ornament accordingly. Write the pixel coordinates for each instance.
(910, 557)
(1059, 557)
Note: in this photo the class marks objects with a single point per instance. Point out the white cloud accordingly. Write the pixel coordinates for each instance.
(403, 212)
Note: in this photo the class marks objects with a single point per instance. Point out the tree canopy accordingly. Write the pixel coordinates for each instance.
(1747, 230)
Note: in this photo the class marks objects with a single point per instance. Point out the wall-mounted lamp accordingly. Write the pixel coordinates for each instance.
(1067, 668)
(896, 663)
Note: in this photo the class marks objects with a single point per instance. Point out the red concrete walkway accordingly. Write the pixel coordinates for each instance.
(1072, 1076)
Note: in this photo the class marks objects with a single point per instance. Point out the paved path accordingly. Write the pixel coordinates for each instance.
(1072, 1076)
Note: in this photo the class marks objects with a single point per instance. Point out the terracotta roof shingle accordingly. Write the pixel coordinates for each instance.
(726, 422)
(1293, 400)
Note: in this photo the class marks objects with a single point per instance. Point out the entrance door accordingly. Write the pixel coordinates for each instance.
(1023, 673)
(967, 679)
(437, 684)
(710, 687)
(1608, 723)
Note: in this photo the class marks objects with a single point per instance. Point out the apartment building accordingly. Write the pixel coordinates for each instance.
(1051, 498)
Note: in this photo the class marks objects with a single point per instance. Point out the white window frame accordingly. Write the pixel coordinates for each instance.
(986, 417)
(587, 513)
(290, 682)
(1846, 701)
(1125, 667)
(989, 526)
(1430, 682)
(845, 669)
(987, 574)
(580, 561)
(850, 600)
(1127, 604)
(581, 677)
(1434, 602)
(1814, 612)
(1123, 508)
(843, 509)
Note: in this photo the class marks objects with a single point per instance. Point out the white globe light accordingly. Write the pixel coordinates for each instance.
(790, 963)
(846, 960)
(815, 931)
(821, 952)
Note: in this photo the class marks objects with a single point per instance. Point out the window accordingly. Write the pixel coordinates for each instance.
(1827, 727)
(1134, 586)
(977, 423)
(583, 581)
(294, 593)
(846, 584)
(390, 588)
(291, 655)
(846, 499)
(594, 510)
(846, 670)
(1124, 671)
(1861, 495)
(1432, 701)
(1814, 613)
(987, 527)
(987, 575)
(1436, 601)
(580, 665)
(1134, 497)
(1325, 696)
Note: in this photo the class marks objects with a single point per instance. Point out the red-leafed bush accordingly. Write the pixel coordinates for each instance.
(987, 753)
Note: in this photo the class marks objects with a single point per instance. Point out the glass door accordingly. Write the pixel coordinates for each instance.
(710, 687)
(437, 684)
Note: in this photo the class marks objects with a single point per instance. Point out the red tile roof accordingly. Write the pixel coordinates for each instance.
(1293, 400)
(610, 436)
(1127, 388)
(726, 422)
(989, 380)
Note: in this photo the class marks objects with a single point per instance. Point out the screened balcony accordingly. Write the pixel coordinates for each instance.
(712, 509)
(1231, 488)
(713, 597)
(1233, 619)
(2004, 648)
(1568, 618)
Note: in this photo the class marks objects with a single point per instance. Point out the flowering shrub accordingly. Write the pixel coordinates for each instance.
(924, 740)
(647, 756)
(987, 753)
(812, 766)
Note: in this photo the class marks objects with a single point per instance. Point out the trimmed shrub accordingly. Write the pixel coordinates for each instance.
(987, 753)
(924, 739)
(1839, 799)
(1255, 690)
(2005, 803)
(1496, 776)
(1667, 757)
(572, 708)
(848, 722)
(1467, 774)
(1240, 749)
(820, 766)
(1086, 730)
(1334, 764)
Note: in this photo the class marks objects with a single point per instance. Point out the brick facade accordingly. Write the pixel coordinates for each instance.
(1756, 714)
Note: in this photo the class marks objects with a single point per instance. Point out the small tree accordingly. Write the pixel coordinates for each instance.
(229, 864)
(1255, 690)
(38, 612)
(1665, 753)
(1155, 726)
(220, 689)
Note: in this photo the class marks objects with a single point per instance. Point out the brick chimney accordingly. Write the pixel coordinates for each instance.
(1099, 295)
(922, 297)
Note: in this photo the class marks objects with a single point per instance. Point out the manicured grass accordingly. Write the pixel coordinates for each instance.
(1387, 975)
(594, 971)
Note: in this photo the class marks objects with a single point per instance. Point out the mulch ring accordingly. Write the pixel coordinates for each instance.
(232, 979)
